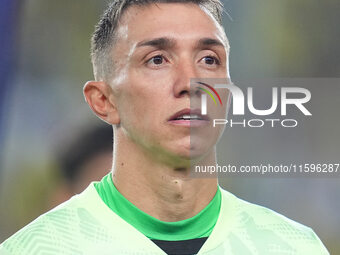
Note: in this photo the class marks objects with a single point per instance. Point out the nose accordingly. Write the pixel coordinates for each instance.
(183, 73)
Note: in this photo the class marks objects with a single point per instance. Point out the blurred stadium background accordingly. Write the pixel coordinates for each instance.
(44, 50)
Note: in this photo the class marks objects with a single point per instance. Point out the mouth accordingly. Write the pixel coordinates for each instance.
(189, 117)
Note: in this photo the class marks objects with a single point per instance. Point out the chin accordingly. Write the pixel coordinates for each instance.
(188, 151)
(193, 152)
(198, 154)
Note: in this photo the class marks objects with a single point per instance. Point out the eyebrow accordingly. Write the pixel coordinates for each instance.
(209, 42)
(168, 43)
(162, 43)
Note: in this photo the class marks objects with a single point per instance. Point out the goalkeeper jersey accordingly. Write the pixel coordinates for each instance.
(86, 225)
(178, 238)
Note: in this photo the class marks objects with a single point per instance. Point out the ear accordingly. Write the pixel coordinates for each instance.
(100, 98)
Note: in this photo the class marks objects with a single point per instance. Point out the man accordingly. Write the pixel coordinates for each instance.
(144, 54)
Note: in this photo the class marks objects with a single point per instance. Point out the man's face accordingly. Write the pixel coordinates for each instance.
(158, 49)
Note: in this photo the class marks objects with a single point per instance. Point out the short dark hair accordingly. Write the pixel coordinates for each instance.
(81, 149)
(104, 34)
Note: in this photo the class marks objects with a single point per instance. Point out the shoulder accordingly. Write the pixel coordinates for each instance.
(265, 229)
(63, 229)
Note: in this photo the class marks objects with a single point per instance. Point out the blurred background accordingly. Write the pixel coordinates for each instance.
(47, 130)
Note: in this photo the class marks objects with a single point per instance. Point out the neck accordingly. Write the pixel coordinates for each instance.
(160, 190)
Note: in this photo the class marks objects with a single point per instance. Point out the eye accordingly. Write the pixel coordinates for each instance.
(210, 60)
(156, 60)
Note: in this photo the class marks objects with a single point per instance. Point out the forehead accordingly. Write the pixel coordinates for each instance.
(181, 21)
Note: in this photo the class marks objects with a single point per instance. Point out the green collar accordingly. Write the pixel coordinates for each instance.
(201, 225)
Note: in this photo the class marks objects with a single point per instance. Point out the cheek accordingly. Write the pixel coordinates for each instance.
(144, 102)
(225, 95)
(140, 107)
(131, 105)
